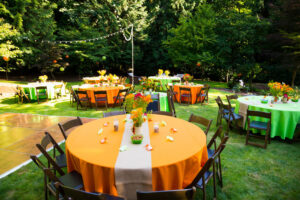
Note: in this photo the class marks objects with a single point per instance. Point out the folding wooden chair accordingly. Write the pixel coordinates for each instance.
(203, 94)
(68, 125)
(185, 93)
(201, 120)
(82, 96)
(101, 96)
(120, 98)
(259, 125)
(41, 91)
(72, 179)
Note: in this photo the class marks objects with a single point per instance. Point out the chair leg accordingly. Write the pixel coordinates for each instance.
(45, 187)
(247, 136)
(204, 188)
(220, 172)
(266, 140)
(214, 179)
(228, 127)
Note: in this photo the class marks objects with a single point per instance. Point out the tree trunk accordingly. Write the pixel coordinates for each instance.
(6, 71)
(294, 76)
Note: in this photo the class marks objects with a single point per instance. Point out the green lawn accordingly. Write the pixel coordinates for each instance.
(248, 172)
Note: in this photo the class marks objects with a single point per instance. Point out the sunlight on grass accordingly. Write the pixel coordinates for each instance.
(248, 172)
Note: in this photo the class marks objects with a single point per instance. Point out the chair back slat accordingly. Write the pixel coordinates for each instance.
(184, 194)
(113, 113)
(201, 120)
(45, 141)
(171, 102)
(55, 145)
(68, 125)
(163, 113)
(100, 92)
(184, 89)
(74, 194)
(213, 139)
(259, 114)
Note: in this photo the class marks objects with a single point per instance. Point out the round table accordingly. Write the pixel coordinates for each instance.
(195, 89)
(174, 164)
(112, 91)
(164, 79)
(30, 89)
(284, 116)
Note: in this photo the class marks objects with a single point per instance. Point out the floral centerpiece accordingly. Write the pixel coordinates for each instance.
(275, 89)
(160, 72)
(295, 94)
(43, 78)
(167, 72)
(138, 100)
(147, 84)
(102, 72)
(137, 105)
(187, 78)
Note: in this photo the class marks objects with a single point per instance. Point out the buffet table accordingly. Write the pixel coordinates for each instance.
(170, 164)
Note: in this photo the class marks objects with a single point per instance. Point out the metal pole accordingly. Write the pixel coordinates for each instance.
(132, 56)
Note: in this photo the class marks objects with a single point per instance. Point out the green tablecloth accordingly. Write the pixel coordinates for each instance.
(30, 89)
(164, 80)
(284, 116)
(163, 101)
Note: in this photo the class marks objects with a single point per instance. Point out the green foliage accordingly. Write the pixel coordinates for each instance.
(193, 39)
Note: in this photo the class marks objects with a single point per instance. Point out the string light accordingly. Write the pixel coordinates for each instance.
(81, 41)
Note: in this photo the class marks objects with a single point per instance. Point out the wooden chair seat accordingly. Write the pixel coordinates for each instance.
(72, 179)
(186, 95)
(258, 125)
(61, 160)
(83, 99)
(207, 177)
(100, 99)
(230, 118)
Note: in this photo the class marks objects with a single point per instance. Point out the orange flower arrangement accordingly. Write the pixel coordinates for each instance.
(187, 77)
(137, 101)
(277, 89)
(137, 117)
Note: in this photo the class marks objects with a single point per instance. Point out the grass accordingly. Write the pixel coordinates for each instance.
(248, 172)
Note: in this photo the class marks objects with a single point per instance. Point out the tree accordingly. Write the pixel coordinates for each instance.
(7, 47)
(192, 40)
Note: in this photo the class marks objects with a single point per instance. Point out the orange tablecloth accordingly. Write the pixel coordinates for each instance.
(111, 92)
(174, 164)
(195, 89)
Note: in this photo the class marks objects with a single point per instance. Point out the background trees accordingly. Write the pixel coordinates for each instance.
(230, 39)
